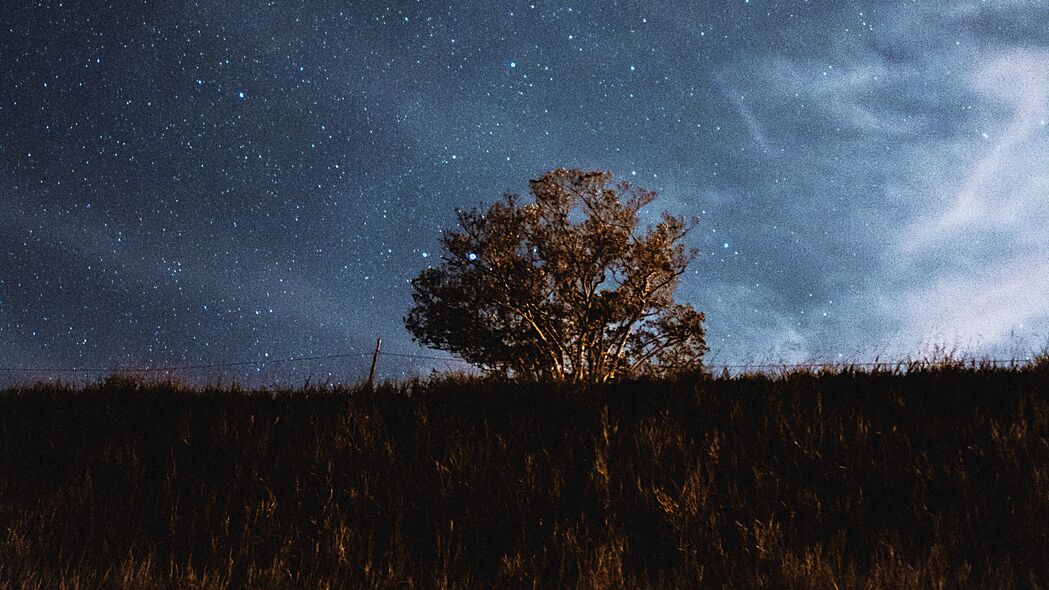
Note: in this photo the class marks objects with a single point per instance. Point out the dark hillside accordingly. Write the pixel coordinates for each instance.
(933, 478)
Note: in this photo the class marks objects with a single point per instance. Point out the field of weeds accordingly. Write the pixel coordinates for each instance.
(932, 478)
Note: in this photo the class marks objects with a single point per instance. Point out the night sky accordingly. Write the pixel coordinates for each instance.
(194, 183)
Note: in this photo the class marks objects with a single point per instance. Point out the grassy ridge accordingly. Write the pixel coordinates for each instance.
(935, 478)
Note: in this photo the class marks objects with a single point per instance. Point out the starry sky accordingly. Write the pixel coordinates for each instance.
(202, 182)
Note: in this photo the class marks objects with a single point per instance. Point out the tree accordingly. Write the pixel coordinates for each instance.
(564, 288)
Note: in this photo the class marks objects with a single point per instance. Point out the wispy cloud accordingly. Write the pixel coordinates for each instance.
(739, 102)
(982, 252)
(926, 143)
(997, 190)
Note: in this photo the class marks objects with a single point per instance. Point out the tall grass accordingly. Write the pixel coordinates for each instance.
(933, 478)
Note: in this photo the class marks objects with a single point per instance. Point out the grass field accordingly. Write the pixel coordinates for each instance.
(932, 478)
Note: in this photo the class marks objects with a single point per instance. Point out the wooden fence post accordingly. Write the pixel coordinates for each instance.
(375, 361)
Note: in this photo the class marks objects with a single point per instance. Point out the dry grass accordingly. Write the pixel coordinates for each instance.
(936, 478)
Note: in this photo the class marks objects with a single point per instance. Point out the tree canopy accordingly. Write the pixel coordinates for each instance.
(565, 287)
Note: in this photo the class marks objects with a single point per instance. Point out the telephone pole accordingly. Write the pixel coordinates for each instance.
(375, 361)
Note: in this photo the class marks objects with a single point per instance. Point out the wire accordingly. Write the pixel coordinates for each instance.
(182, 367)
(814, 364)
(846, 364)
(420, 356)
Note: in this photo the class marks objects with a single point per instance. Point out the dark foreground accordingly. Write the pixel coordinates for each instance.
(932, 479)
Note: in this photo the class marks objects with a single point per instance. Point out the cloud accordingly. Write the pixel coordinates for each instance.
(997, 190)
(925, 147)
(757, 134)
(975, 258)
(986, 308)
(850, 96)
(745, 325)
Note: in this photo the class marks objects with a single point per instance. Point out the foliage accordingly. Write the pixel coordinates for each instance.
(564, 288)
(931, 479)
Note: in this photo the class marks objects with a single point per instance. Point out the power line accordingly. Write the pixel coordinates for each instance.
(421, 356)
(181, 367)
(267, 361)
(846, 364)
